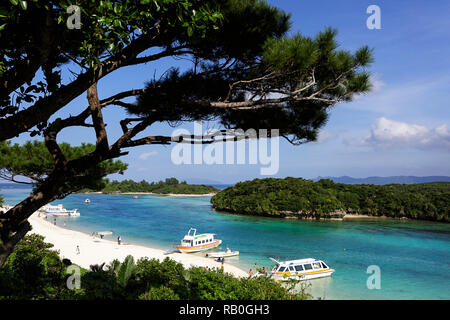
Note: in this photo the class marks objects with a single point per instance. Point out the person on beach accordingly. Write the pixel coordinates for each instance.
(223, 261)
(118, 240)
(65, 223)
(250, 273)
(54, 221)
(264, 270)
(78, 250)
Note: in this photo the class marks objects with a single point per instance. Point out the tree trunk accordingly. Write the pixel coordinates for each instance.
(15, 219)
(7, 248)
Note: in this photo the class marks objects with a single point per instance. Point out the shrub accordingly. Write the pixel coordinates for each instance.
(159, 293)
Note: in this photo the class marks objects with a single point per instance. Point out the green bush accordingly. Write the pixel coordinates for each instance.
(168, 273)
(216, 285)
(34, 271)
(160, 293)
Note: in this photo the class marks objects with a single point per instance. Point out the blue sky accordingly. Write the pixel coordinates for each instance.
(401, 128)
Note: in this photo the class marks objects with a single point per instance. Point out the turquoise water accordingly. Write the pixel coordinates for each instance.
(413, 256)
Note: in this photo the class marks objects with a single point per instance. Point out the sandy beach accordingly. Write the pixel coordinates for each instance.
(364, 216)
(156, 194)
(97, 251)
(171, 194)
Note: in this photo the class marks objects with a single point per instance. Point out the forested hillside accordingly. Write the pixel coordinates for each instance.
(297, 197)
(170, 185)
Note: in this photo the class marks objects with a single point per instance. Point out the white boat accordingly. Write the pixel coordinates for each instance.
(105, 233)
(222, 254)
(193, 242)
(302, 269)
(87, 201)
(60, 211)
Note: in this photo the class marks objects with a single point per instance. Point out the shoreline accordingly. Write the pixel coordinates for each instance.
(154, 194)
(347, 216)
(98, 251)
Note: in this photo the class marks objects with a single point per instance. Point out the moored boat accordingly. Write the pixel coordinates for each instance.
(193, 242)
(222, 254)
(87, 201)
(302, 269)
(60, 211)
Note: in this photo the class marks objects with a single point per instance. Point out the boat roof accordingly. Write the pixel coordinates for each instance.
(199, 236)
(299, 261)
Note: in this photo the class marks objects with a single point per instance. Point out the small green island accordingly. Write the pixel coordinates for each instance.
(306, 199)
(169, 186)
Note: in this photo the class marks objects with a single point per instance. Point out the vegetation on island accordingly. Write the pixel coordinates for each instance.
(300, 198)
(268, 77)
(170, 185)
(35, 271)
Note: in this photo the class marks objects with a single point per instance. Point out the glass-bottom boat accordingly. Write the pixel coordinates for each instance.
(302, 269)
(193, 242)
(59, 211)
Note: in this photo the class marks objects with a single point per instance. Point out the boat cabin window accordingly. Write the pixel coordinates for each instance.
(299, 268)
(187, 242)
(291, 269)
(317, 265)
(308, 266)
(281, 269)
(324, 265)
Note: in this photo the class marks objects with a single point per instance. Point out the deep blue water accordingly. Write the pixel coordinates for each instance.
(413, 256)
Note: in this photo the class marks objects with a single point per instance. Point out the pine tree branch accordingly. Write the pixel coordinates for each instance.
(97, 119)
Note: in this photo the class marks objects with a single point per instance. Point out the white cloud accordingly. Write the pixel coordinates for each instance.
(377, 83)
(145, 156)
(387, 133)
(324, 136)
(396, 98)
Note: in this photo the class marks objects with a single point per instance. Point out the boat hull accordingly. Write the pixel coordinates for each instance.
(222, 254)
(304, 276)
(199, 248)
(64, 214)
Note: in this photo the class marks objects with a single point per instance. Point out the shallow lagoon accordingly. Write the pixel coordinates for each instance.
(413, 256)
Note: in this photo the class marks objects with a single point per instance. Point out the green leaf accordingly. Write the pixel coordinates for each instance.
(23, 4)
(4, 13)
(157, 6)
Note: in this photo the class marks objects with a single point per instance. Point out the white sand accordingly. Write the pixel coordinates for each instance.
(156, 194)
(96, 251)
